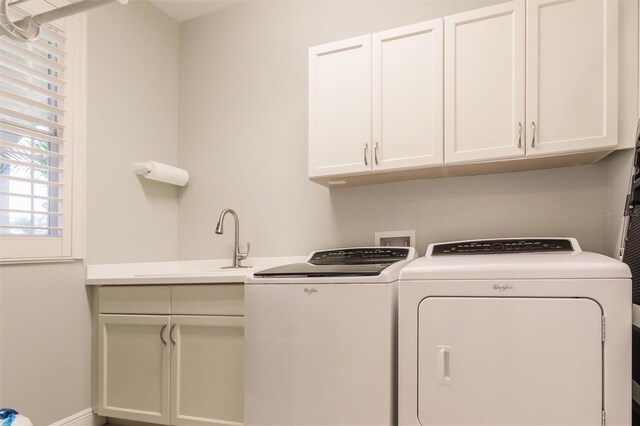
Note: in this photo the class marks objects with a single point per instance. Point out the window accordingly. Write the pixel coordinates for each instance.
(39, 142)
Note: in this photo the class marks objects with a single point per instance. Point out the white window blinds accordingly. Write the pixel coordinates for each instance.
(35, 148)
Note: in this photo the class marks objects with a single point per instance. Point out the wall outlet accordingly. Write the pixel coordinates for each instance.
(395, 238)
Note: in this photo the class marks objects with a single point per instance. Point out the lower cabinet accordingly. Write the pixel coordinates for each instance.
(171, 369)
(133, 367)
(207, 370)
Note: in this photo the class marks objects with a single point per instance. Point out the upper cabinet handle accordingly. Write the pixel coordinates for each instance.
(366, 148)
(533, 139)
(519, 135)
(375, 153)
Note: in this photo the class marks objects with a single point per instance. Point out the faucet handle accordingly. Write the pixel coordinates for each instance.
(243, 256)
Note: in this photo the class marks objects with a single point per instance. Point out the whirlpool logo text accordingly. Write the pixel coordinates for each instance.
(502, 287)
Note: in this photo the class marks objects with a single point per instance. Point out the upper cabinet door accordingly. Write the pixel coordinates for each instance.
(484, 83)
(408, 89)
(340, 107)
(572, 75)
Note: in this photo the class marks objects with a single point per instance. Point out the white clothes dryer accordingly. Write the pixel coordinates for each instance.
(514, 332)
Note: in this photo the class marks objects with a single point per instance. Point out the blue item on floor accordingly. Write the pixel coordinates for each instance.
(7, 415)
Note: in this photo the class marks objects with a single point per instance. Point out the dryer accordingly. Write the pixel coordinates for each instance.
(528, 331)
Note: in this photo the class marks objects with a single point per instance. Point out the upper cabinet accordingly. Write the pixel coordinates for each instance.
(572, 75)
(519, 85)
(407, 97)
(570, 90)
(484, 83)
(340, 107)
(375, 102)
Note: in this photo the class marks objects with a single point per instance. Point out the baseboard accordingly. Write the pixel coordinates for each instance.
(83, 418)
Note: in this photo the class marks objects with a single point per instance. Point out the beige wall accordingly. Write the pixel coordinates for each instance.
(132, 116)
(46, 340)
(45, 318)
(243, 137)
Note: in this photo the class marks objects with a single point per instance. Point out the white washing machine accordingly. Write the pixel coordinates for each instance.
(320, 339)
(514, 332)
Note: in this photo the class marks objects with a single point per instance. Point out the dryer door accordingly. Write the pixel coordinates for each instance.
(509, 361)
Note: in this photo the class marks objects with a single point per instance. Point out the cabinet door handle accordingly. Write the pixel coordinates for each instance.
(533, 139)
(519, 135)
(164, 327)
(375, 153)
(171, 333)
(366, 148)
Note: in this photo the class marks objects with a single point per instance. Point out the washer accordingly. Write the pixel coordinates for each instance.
(320, 339)
(514, 332)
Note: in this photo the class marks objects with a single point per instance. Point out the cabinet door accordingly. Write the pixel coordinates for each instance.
(408, 87)
(572, 75)
(340, 107)
(207, 370)
(509, 361)
(484, 83)
(133, 367)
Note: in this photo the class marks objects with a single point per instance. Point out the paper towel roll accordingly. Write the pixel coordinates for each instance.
(162, 172)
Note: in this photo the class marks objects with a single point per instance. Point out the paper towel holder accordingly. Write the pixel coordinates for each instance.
(161, 172)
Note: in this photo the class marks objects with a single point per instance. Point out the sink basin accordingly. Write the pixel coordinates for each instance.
(203, 273)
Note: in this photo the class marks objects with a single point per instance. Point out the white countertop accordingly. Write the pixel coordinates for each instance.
(181, 272)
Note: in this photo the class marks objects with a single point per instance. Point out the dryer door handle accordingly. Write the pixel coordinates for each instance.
(443, 366)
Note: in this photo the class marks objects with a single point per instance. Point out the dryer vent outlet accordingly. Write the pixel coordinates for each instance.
(395, 239)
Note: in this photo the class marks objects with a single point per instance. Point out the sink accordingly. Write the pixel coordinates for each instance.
(202, 273)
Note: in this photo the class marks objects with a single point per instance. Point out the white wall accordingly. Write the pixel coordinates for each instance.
(45, 318)
(46, 340)
(132, 116)
(243, 137)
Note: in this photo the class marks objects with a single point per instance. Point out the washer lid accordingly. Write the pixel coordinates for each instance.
(341, 266)
(559, 264)
(311, 270)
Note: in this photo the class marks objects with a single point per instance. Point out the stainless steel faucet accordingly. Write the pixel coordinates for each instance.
(238, 256)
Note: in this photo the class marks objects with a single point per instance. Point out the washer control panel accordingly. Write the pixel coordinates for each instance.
(359, 256)
(537, 245)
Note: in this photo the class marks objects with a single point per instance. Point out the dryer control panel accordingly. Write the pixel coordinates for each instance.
(537, 245)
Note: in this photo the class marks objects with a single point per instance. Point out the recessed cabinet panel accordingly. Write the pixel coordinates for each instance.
(407, 96)
(147, 299)
(340, 107)
(133, 367)
(509, 361)
(484, 83)
(572, 57)
(219, 299)
(207, 366)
